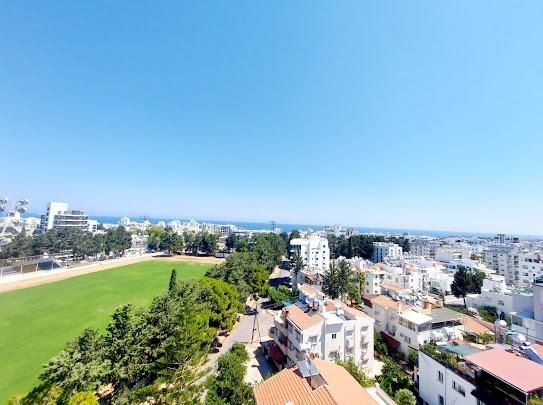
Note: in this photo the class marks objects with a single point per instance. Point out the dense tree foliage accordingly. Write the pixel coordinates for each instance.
(393, 378)
(73, 241)
(155, 351)
(201, 243)
(361, 245)
(249, 270)
(171, 241)
(228, 386)
(355, 371)
(268, 249)
(337, 279)
(466, 282)
(231, 242)
(405, 397)
(280, 294)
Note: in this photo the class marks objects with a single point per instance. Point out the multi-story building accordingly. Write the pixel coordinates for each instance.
(518, 265)
(424, 247)
(314, 251)
(465, 374)
(406, 327)
(382, 250)
(495, 293)
(530, 322)
(328, 329)
(374, 280)
(59, 216)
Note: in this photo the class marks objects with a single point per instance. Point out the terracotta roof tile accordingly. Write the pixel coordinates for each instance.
(301, 319)
(340, 388)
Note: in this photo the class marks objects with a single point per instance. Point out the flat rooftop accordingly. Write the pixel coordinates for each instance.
(518, 371)
(461, 349)
(444, 314)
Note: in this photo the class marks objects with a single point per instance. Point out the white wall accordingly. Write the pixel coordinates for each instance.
(430, 387)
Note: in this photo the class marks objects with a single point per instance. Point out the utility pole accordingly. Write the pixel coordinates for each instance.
(272, 222)
(256, 325)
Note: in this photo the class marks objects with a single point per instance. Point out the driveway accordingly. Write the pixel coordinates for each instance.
(258, 366)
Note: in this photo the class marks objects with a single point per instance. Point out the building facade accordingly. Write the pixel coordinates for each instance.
(59, 216)
(314, 251)
(323, 328)
(382, 250)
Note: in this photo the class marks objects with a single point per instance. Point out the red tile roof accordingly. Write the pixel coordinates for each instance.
(471, 325)
(518, 371)
(340, 388)
(301, 319)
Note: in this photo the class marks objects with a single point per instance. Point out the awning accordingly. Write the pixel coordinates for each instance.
(390, 341)
(276, 354)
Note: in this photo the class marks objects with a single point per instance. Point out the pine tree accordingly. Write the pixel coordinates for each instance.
(173, 281)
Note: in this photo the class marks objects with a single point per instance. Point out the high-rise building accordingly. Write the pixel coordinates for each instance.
(381, 250)
(59, 216)
(314, 250)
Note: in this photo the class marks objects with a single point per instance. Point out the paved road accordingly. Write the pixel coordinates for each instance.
(258, 366)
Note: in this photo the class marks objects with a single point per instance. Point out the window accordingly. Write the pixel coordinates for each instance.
(312, 339)
(441, 400)
(440, 376)
(333, 336)
(457, 387)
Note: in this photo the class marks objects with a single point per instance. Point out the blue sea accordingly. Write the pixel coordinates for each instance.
(291, 227)
(108, 219)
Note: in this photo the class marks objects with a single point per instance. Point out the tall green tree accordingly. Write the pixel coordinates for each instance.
(81, 366)
(297, 267)
(337, 279)
(466, 282)
(393, 379)
(231, 241)
(228, 386)
(171, 241)
(172, 287)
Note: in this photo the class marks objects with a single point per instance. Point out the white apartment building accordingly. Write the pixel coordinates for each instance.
(491, 376)
(382, 250)
(495, 293)
(59, 216)
(314, 251)
(424, 247)
(374, 279)
(328, 329)
(518, 265)
(530, 322)
(406, 327)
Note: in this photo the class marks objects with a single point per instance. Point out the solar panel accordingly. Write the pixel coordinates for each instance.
(307, 368)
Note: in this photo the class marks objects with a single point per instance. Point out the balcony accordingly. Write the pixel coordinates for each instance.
(350, 343)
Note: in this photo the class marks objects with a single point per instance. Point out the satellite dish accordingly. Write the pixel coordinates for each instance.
(502, 323)
(521, 338)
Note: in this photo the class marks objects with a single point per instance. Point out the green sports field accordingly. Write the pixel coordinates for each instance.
(35, 323)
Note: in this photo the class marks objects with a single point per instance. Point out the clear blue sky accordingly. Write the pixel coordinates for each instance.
(415, 114)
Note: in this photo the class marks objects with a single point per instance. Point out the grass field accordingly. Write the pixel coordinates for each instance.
(35, 323)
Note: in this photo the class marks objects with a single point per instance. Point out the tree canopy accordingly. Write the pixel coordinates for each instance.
(75, 241)
(337, 279)
(144, 348)
(466, 282)
(228, 386)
